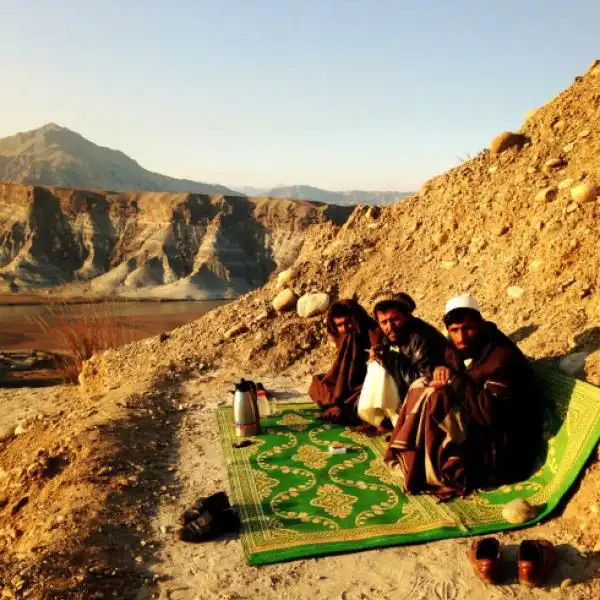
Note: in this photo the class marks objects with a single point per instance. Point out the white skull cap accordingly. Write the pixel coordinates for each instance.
(462, 301)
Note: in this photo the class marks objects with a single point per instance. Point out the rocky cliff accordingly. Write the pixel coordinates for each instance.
(149, 244)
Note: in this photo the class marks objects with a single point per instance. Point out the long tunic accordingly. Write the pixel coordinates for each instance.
(479, 430)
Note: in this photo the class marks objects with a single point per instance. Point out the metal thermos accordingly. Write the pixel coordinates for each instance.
(246, 418)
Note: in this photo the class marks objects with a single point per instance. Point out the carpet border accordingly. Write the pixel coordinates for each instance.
(258, 558)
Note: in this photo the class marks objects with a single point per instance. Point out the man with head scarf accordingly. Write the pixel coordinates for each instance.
(337, 391)
(474, 422)
(410, 348)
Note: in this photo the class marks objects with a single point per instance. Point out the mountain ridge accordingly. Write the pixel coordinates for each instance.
(57, 156)
(342, 197)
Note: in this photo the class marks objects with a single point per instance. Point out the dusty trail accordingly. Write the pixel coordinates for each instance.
(218, 569)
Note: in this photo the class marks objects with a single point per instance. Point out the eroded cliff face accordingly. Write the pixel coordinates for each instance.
(150, 244)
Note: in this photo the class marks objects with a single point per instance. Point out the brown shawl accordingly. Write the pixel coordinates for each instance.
(475, 432)
(341, 385)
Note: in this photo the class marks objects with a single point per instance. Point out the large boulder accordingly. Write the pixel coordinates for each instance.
(506, 140)
(311, 305)
(285, 300)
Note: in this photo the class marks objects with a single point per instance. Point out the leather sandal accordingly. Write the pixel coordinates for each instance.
(536, 559)
(486, 557)
(207, 527)
(211, 504)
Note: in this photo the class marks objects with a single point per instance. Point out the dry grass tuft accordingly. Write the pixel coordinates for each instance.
(82, 335)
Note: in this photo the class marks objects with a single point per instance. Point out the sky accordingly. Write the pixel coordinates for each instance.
(339, 94)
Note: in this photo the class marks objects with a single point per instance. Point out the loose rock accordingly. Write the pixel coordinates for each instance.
(311, 305)
(440, 238)
(285, 300)
(546, 195)
(555, 163)
(565, 184)
(506, 140)
(573, 363)
(235, 331)
(6, 432)
(584, 192)
(514, 291)
(518, 511)
(448, 264)
(285, 277)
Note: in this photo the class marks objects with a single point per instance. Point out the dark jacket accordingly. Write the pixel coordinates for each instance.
(421, 349)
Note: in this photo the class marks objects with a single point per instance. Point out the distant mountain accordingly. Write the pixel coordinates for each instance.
(307, 192)
(54, 155)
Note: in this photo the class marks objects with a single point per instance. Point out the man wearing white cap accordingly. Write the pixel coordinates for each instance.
(476, 422)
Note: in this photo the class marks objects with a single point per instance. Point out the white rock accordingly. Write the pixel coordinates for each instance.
(514, 291)
(285, 277)
(546, 195)
(19, 429)
(285, 300)
(572, 363)
(518, 511)
(584, 192)
(493, 169)
(565, 184)
(568, 147)
(311, 305)
(448, 264)
(6, 432)
(584, 133)
(535, 264)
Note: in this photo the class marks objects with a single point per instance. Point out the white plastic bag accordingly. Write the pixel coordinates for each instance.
(379, 397)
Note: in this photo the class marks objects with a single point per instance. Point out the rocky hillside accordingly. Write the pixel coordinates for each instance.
(150, 244)
(53, 155)
(517, 226)
(308, 192)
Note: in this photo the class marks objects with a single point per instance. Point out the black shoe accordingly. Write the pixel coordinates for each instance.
(206, 527)
(212, 504)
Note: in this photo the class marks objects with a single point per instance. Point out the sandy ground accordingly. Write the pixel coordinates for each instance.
(142, 521)
(436, 570)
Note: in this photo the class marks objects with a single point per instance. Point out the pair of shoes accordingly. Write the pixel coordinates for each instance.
(535, 560)
(208, 518)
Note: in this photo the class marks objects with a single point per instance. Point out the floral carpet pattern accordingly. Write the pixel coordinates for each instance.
(296, 499)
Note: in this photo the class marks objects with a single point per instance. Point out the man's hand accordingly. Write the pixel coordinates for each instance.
(441, 377)
(376, 354)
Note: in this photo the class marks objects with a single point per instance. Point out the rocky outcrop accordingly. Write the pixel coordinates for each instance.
(150, 244)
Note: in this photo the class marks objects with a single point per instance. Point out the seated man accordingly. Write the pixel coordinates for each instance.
(474, 423)
(409, 348)
(337, 391)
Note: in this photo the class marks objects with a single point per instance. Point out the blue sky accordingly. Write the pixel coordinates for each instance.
(342, 94)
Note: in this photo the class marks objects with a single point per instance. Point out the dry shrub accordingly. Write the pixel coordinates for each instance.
(82, 335)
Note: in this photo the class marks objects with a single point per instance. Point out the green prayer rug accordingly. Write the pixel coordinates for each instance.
(298, 500)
